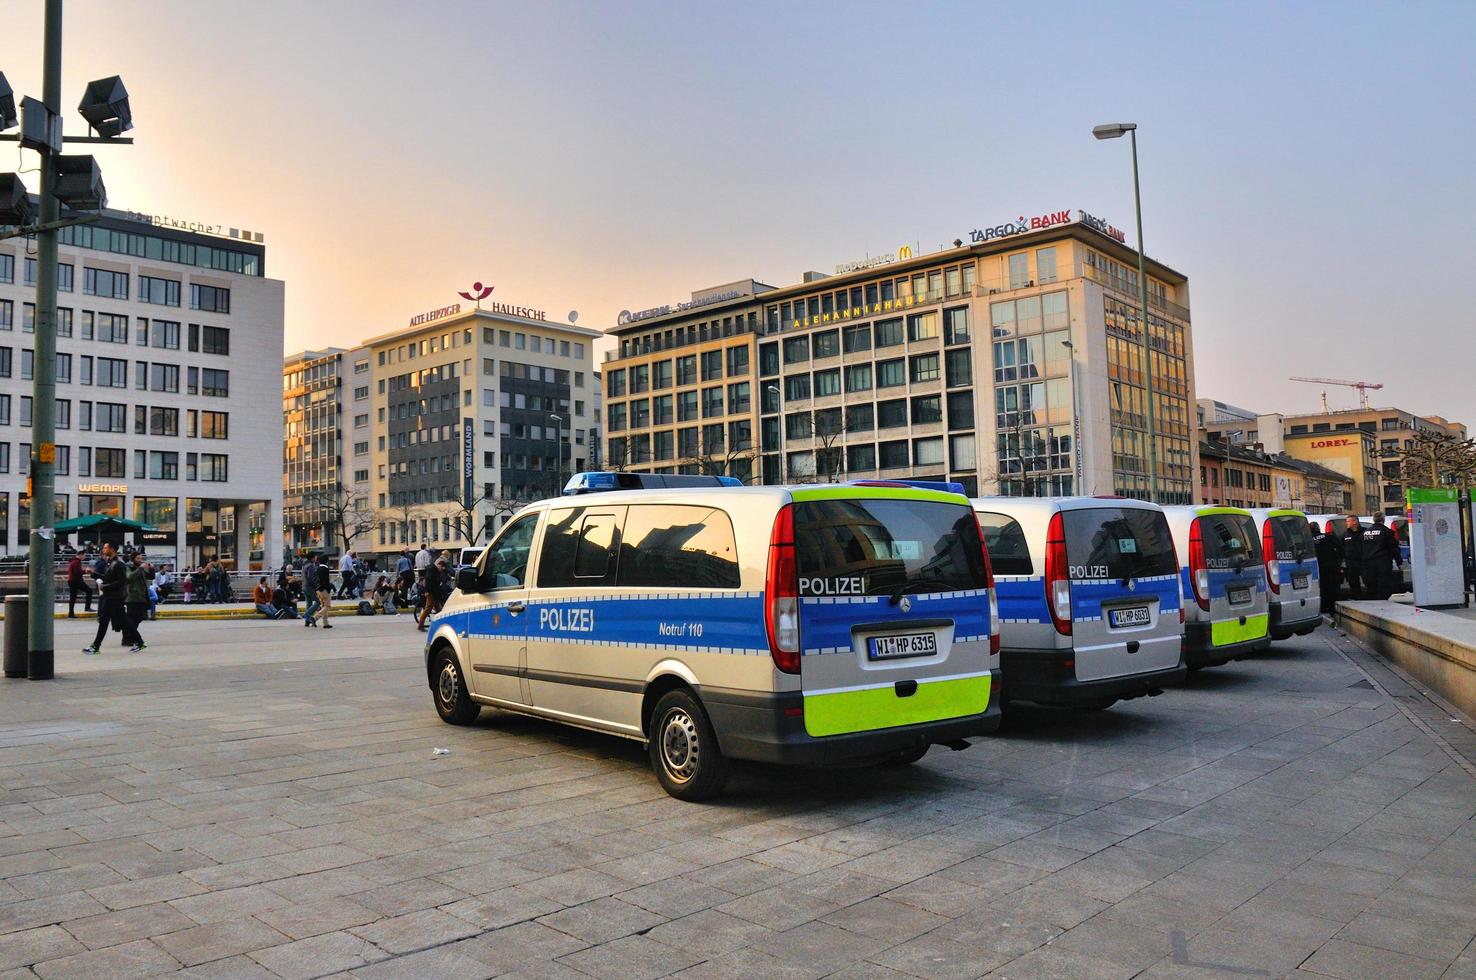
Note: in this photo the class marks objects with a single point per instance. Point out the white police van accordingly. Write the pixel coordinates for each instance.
(1290, 559)
(1223, 581)
(793, 625)
(1089, 604)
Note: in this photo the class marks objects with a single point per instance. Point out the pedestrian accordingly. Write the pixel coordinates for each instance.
(1353, 557)
(404, 576)
(325, 600)
(310, 590)
(261, 598)
(431, 585)
(77, 582)
(346, 575)
(112, 601)
(140, 572)
(1329, 566)
(1380, 559)
(384, 595)
(187, 588)
(164, 582)
(423, 558)
(282, 600)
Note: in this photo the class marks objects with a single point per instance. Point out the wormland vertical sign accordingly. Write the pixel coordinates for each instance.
(468, 459)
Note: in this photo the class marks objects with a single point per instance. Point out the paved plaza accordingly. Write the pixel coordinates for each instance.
(253, 799)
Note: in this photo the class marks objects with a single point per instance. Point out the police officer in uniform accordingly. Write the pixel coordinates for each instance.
(1353, 558)
(1380, 557)
(1329, 565)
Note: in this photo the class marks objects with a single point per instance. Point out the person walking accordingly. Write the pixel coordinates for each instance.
(431, 585)
(1329, 567)
(346, 575)
(111, 603)
(137, 598)
(310, 590)
(1353, 557)
(325, 600)
(1380, 559)
(77, 582)
(423, 558)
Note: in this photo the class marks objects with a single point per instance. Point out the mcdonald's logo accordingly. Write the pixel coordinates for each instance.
(904, 252)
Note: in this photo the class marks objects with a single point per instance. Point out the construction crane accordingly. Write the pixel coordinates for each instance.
(1364, 387)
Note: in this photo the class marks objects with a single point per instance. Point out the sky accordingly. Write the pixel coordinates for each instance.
(1310, 167)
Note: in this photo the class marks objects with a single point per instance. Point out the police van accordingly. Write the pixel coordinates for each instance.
(790, 625)
(1223, 581)
(1289, 556)
(1088, 591)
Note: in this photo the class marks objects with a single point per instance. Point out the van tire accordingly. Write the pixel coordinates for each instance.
(684, 749)
(453, 701)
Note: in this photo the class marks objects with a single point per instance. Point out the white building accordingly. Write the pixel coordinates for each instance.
(168, 347)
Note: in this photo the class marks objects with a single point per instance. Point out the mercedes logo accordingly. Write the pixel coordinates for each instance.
(906, 603)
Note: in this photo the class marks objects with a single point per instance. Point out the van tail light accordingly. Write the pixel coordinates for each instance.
(989, 587)
(1058, 575)
(781, 590)
(1273, 566)
(1199, 576)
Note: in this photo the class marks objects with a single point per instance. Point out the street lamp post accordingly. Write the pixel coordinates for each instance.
(559, 451)
(76, 182)
(1112, 131)
(783, 466)
(1076, 464)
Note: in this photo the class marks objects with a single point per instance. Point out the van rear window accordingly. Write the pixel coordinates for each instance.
(1118, 542)
(1009, 552)
(881, 546)
(1230, 540)
(1292, 537)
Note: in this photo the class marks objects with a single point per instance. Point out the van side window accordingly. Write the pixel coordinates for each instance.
(579, 548)
(507, 563)
(1009, 552)
(677, 547)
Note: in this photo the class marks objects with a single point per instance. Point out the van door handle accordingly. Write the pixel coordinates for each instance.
(1132, 646)
(516, 607)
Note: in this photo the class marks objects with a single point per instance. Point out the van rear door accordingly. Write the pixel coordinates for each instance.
(894, 608)
(1296, 557)
(1237, 580)
(1124, 591)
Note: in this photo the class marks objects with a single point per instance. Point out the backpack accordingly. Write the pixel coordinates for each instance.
(365, 608)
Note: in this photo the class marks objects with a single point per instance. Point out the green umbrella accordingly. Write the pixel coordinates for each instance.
(101, 522)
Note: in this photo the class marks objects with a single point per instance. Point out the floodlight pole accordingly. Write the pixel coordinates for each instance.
(1143, 324)
(41, 647)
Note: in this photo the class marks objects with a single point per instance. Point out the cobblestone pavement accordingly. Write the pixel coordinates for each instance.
(253, 800)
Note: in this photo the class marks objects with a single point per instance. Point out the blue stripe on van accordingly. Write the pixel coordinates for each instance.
(1305, 567)
(1023, 599)
(826, 623)
(1220, 580)
(705, 622)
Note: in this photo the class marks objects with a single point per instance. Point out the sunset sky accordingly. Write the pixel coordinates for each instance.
(1308, 166)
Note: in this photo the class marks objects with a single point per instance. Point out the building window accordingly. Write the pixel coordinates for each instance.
(640, 378)
(893, 455)
(827, 382)
(922, 326)
(712, 401)
(214, 425)
(163, 466)
(739, 398)
(210, 299)
(661, 375)
(160, 292)
(927, 409)
(797, 387)
(164, 334)
(956, 326)
(215, 383)
(213, 468)
(215, 340)
(796, 349)
(858, 377)
(856, 339)
(891, 414)
(1045, 265)
(888, 333)
(1019, 270)
(101, 282)
(891, 374)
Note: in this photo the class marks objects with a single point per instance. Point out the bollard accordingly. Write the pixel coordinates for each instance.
(17, 634)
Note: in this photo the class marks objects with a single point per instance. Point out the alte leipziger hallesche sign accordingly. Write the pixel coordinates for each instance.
(1022, 224)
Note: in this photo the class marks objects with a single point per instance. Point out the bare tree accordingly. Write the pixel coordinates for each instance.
(1435, 459)
(461, 506)
(721, 457)
(351, 515)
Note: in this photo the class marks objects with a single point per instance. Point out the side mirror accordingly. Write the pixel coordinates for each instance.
(467, 580)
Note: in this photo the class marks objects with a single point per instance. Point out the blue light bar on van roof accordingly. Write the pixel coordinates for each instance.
(942, 486)
(604, 480)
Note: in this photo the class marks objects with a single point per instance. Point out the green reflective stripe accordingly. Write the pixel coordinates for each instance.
(1230, 631)
(1211, 511)
(875, 493)
(1286, 513)
(869, 709)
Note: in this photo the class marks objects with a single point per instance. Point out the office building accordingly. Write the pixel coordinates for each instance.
(1352, 453)
(167, 341)
(1241, 475)
(471, 414)
(1012, 364)
(325, 477)
(1392, 430)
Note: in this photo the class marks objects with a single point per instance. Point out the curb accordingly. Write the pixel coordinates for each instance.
(206, 613)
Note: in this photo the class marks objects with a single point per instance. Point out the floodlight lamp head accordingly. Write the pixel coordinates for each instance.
(79, 183)
(1112, 131)
(8, 118)
(16, 207)
(105, 107)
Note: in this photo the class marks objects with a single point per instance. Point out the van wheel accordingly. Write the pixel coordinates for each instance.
(684, 749)
(453, 700)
